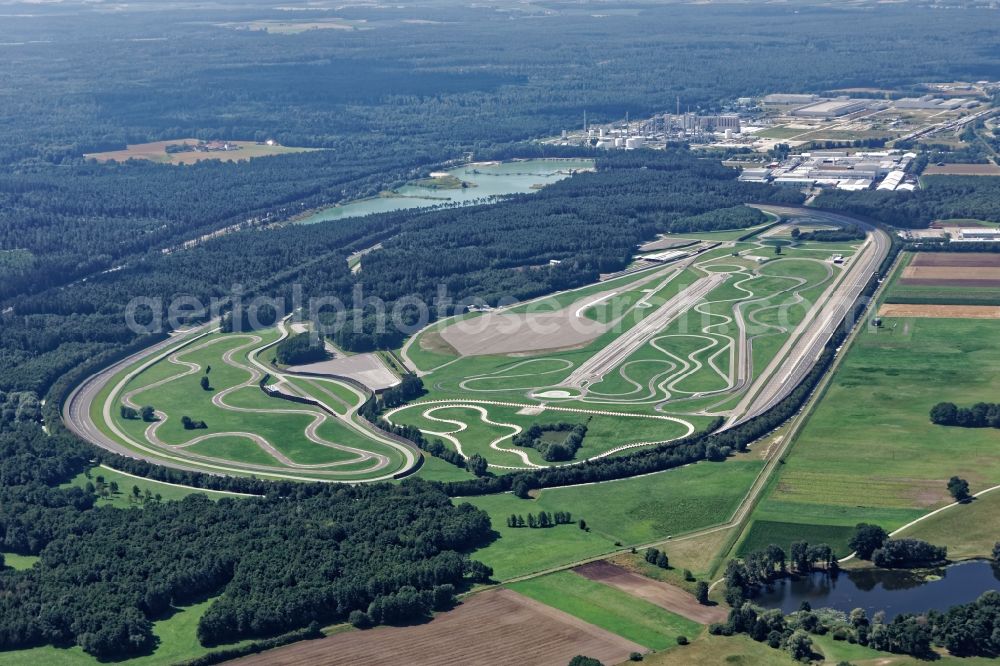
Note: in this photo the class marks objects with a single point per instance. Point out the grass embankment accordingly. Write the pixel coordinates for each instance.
(127, 482)
(869, 451)
(631, 511)
(609, 608)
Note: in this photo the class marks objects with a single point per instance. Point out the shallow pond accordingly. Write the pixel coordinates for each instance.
(487, 181)
(895, 592)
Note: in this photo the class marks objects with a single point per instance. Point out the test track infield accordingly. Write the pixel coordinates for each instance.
(78, 410)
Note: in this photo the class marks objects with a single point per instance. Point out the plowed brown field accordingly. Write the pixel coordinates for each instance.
(493, 628)
(940, 311)
(663, 595)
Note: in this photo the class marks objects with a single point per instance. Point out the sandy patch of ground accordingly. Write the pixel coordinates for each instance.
(490, 628)
(503, 333)
(530, 411)
(365, 368)
(940, 311)
(666, 596)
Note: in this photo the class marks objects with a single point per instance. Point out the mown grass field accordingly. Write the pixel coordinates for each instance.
(869, 452)
(603, 432)
(609, 608)
(19, 562)
(631, 511)
(969, 530)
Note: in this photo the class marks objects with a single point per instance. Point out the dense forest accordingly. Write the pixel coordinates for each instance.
(392, 552)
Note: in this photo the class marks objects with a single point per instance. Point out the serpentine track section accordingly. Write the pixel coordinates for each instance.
(78, 411)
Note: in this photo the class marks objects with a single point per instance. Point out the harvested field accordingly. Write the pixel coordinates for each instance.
(663, 595)
(157, 152)
(962, 170)
(969, 272)
(940, 311)
(956, 259)
(945, 282)
(494, 627)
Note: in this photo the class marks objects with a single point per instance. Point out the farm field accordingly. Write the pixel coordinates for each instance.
(969, 530)
(484, 625)
(947, 278)
(671, 597)
(676, 345)
(630, 511)
(157, 152)
(609, 608)
(246, 430)
(869, 451)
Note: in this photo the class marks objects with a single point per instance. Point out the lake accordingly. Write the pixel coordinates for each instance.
(489, 179)
(894, 591)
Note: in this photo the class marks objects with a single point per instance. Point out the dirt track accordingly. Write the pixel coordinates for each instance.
(940, 311)
(666, 596)
(497, 627)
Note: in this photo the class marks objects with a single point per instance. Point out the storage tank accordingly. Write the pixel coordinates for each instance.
(634, 142)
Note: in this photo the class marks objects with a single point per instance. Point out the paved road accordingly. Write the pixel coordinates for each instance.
(799, 354)
(76, 411)
(597, 366)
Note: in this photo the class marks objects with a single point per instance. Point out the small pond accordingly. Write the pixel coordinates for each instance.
(895, 592)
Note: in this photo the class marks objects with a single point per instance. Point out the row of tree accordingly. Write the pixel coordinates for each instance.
(542, 520)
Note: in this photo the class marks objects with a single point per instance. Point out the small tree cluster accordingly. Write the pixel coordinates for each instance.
(899, 553)
(191, 424)
(980, 415)
(553, 451)
(657, 557)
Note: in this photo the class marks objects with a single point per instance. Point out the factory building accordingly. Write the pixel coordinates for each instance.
(892, 181)
(783, 98)
(692, 122)
(832, 108)
(934, 103)
(979, 234)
